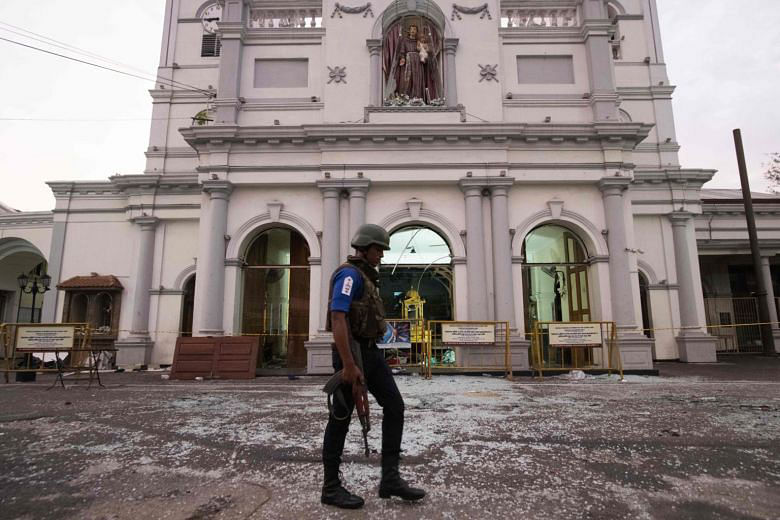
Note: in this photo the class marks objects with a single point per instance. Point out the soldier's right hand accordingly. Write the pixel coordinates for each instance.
(352, 375)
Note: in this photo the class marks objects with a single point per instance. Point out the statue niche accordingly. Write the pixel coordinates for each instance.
(411, 63)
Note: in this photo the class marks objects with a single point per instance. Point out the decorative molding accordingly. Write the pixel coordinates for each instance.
(337, 74)
(162, 291)
(458, 9)
(594, 241)
(183, 277)
(274, 210)
(556, 206)
(365, 9)
(652, 278)
(414, 205)
(432, 219)
(367, 111)
(488, 73)
(241, 237)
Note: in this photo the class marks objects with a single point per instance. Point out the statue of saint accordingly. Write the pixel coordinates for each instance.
(413, 65)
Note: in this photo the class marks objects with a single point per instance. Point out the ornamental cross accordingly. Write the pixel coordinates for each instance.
(489, 73)
(337, 74)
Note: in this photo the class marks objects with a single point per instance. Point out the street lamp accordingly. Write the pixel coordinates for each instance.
(32, 285)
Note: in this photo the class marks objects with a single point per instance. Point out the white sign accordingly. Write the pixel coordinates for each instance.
(468, 333)
(575, 334)
(52, 337)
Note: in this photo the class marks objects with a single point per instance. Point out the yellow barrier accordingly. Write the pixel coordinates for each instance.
(578, 340)
(459, 346)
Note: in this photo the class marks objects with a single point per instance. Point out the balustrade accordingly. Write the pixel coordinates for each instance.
(531, 18)
(297, 18)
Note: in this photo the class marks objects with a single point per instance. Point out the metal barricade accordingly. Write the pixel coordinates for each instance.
(733, 321)
(467, 346)
(567, 346)
(405, 349)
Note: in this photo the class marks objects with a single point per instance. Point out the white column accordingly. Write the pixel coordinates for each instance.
(232, 30)
(693, 343)
(766, 273)
(450, 79)
(683, 263)
(475, 250)
(144, 264)
(603, 97)
(357, 208)
(502, 253)
(376, 80)
(619, 267)
(331, 239)
(210, 281)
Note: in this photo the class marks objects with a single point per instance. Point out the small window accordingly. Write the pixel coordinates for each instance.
(210, 46)
(545, 69)
(282, 73)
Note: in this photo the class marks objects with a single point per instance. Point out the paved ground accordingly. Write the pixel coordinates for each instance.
(697, 442)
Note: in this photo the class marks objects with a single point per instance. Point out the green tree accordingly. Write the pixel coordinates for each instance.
(772, 171)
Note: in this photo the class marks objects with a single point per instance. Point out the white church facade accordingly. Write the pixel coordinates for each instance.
(521, 153)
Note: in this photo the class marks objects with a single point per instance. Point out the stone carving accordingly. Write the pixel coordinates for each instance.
(488, 73)
(458, 9)
(337, 74)
(365, 9)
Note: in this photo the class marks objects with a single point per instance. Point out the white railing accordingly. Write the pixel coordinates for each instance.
(301, 18)
(528, 18)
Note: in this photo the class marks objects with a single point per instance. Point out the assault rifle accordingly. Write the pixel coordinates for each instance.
(359, 393)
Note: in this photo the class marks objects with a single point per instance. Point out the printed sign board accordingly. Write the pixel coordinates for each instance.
(468, 333)
(54, 337)
(575, 334)
(398, 335)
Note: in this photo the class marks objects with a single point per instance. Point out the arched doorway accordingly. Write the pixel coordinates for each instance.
(555, 276)
(20, 257)
(187, 307)
(418, 265)
(555, 284)
(644, 298)
(276, 298)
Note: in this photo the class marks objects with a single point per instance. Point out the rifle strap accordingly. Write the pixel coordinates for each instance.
(340, 396)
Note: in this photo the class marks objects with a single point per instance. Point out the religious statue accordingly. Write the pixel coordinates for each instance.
(412, 66)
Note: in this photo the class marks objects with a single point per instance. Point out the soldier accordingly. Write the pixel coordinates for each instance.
(355, 308)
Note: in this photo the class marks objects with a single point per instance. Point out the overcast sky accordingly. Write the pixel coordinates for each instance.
(724, 58)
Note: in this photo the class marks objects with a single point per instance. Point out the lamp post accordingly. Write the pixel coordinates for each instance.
(35, 284)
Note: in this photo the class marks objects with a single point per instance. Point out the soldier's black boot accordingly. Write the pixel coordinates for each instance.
(392, 485)
(334, 494)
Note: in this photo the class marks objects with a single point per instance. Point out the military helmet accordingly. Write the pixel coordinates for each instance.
(368, 234)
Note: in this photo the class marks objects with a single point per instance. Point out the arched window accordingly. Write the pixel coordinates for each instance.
(417, 266)
(188, 307)
(644, 297)
(276, 297)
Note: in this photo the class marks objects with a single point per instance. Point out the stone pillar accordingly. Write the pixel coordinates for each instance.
(232, 32)
(136, 350)
(475, 249)
(375, 84)
(54, 269)
(357, 205)
(331, 240)
(635, 348)
(694, 344)
(450, 81)
(766, 273)
(502, 252)
(210, 285)
(603, 97)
